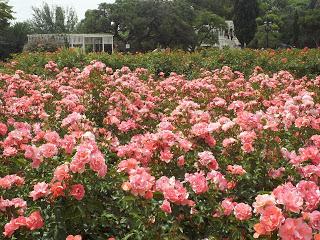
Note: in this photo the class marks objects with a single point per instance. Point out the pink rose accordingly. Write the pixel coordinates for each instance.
(3, 129)
(34, 221)
(295, 229)
(71, 237)
(40, 190)
(77, 191)
(166, 206)
(48, 150)
(242, 211)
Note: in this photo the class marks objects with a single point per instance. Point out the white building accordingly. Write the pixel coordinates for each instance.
(92, 42)
(226, 37)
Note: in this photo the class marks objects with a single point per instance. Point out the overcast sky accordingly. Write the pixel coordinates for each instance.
(23, 11)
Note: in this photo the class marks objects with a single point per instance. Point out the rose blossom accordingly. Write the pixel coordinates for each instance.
(295, 229)
(242, 211)
(71, 237)
(40, 190)
(166, 206)
(77, 191)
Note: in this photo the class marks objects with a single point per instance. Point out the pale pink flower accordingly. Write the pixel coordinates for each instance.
(276, 173)
(166, 206)
(181, 161)
(9, 180)
(207, 159)
(17, 203)
(313, 219)
(125, 126)
(14, 225)
(228, 206)
(98, 164)
(311, 194)
(71, 119)
(40, 190)
(289, 196)
(61, 172)
(127, 165)
(228, 141)
(198, 182)
(33, 153)
(52, 137)
(242, 211)
(271, 218)
(173, 190)
(3, 129)
(68, 143)
(76, 237)
(34, 221)
(10, 151)
(141, 182)
(166, 155)
(48, 150)
(236, 169)
(262, 201)
(295, 229)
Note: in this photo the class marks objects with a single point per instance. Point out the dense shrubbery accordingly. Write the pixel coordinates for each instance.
(42, 46)
(131, 155)
(298, 62)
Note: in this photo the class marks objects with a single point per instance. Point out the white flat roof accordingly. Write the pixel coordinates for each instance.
(76, 34)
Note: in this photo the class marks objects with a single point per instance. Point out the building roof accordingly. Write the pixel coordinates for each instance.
(74, 34)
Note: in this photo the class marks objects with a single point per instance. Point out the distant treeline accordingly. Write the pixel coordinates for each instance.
(177, 24)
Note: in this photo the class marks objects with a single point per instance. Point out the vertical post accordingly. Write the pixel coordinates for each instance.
(71, 40)
(83, 44)
(112, 44)
(93, 44)
(268, 28)
(102, 44)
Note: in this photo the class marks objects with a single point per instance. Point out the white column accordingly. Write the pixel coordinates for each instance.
(112, 44)
(71, 40)
(102, 44)
(83, 44)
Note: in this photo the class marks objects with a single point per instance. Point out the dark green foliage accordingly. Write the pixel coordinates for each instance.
(13, 39)
(205, 23)
(5, 14)
(310, 27)
(53, 19)
(245, 14)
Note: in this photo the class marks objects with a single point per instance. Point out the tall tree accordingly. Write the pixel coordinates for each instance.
(223, 8)
(296, 29)
(53, 19)
(97, 20)
(313, 4)
(14, 38)
(245, 14)
(145, 25)
(310, 28)
(5, 14)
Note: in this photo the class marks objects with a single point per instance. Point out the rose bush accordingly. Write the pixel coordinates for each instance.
(299, 62)
(102, 154)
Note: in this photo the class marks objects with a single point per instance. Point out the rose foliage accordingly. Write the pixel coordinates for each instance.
(97, 153)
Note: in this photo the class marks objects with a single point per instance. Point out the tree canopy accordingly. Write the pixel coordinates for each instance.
(245, 14)
(5, 14)
(184, 24)
(149, 24)
(54, 19)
